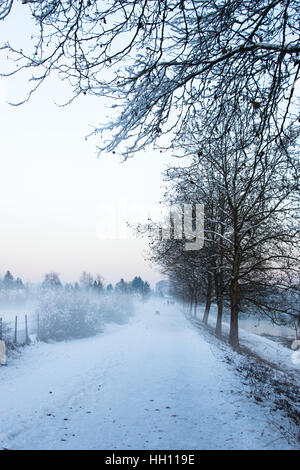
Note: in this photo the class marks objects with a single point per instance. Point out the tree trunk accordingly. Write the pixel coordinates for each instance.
(219, 317)
(191, 302)
(234, 290)
(234, 315)
(219, 294)
(208, 299)
(195, 307)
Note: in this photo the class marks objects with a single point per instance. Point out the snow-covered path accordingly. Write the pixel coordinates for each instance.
(154, 383)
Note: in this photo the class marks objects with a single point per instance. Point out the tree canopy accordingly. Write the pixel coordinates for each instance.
(160, 59)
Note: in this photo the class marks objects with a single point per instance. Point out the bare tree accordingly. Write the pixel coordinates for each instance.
(160, 59)
(186, 272)
(87, 280)
(51, 281)
(200, 183)
(252, 225)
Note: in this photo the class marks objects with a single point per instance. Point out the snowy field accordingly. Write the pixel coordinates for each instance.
(154, 383)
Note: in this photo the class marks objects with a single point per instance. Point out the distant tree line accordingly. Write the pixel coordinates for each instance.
(89, 283)
(86, 282)
(8, 282)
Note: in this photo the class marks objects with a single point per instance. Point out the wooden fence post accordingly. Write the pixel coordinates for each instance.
(27, 339)
(16, 330)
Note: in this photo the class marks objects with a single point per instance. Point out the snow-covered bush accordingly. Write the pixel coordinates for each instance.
(7, 335)
(65, 315)
(78, 314)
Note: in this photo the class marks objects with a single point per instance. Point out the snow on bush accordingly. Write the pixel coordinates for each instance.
(6, 333)
(65, 315)
(78, 314)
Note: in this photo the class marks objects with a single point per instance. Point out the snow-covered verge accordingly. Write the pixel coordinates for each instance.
(271, 351)
(154, 383)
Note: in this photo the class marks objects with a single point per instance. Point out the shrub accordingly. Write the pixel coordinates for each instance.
(65, 315)
(7, 336)
(79, 314)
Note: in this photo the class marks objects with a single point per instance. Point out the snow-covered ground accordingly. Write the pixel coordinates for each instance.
(154, 383)
(282, 357)
(256, 324)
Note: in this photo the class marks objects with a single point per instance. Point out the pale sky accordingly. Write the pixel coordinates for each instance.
(53, 188)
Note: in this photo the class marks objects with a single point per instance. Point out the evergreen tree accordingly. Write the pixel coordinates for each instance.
(109, 288)
(122, 286)
(52, 281)
(8, 280)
